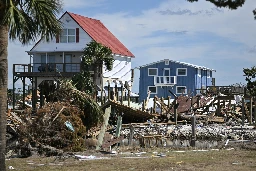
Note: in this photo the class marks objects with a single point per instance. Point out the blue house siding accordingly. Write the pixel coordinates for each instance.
(191, 81)
(209, 79)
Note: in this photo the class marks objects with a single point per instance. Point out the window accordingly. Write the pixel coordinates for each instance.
(152, 89)
(208, 74)
(51, 59)
(43, 59)
(152, 72)
(166, 62)
(166, 72)
(181, 90)
(199, 72)
(68, 36)
(181, 72)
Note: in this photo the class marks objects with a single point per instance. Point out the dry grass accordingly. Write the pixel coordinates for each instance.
(189, 160)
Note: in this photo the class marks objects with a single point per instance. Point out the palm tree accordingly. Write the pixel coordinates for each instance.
(24, 20)
(96, 55)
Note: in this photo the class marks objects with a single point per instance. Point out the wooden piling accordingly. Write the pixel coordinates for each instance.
(175, 112)
(129, 97)
(251, 100)
(122, 91)
(243, 111)
(131, 134)
(108, 90)
(193, 125)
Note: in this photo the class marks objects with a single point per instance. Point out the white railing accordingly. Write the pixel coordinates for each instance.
(165, 80)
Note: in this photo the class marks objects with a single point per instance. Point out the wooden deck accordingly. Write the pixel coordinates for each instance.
(46, 70)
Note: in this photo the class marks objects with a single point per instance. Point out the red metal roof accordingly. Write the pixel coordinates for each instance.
(98, 32)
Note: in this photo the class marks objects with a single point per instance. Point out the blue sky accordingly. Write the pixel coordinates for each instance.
(197, 33)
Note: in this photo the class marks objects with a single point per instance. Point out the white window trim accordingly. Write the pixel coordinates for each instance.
(151, 91)
(166, 69)
(208, 72)
(178, 72)
(156, 71)
(166, 62)
(68, 35)
(181, 93)
(199, 74)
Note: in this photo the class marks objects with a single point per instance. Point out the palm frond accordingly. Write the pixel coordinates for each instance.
(29, 19)
(68, 92)
(98, 54)
(44, 14)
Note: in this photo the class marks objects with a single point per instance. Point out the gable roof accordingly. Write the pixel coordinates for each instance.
(98, 32)
(178, 62)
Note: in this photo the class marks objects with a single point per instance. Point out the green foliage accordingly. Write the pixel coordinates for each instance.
(231, 4)
(250, 79)
(93, 114)
(83, 82)
(96, 54)
(28, 19)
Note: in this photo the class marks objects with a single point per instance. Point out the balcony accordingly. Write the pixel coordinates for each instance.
(46, 70)
(165, 80)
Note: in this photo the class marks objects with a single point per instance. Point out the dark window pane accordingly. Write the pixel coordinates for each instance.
(182, 72)
(152, 71)
(166, 72)
(181, 89)
(152, 89)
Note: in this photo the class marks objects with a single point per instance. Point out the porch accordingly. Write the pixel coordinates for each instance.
(46, 69)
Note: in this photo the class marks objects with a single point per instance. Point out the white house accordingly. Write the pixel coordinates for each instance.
(62, 55)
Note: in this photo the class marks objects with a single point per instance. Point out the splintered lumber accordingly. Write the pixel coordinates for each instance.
(111, 142)
(163, 105)
(188, 117)
(216, 119)
(16, 117)
(103, 128)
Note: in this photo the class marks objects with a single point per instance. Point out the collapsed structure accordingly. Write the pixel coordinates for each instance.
(68, 125)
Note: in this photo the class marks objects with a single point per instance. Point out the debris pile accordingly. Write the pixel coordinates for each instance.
(57, 125)
(57, 128)
(214, 132)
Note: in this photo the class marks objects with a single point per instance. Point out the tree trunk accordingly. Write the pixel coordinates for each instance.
(3, 90)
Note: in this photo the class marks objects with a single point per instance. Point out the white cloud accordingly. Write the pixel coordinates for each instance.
(237, 25)
(140, 33)
(82, 3)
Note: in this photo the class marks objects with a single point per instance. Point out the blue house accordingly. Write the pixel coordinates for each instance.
(179, 77)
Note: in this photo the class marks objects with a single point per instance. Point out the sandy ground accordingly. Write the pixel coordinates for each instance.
(236, 156)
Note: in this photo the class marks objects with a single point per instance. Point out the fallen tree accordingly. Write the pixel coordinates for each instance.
(59, 126)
